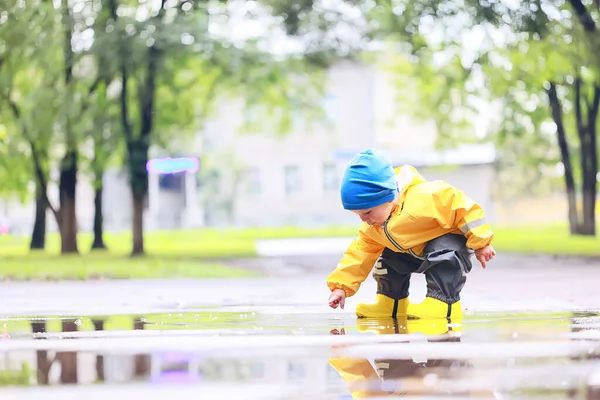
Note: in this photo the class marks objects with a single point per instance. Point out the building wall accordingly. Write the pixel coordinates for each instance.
(291, 170)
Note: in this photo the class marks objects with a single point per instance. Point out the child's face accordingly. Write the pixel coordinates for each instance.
(377, 215)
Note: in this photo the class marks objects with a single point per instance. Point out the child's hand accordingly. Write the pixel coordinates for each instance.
(337, 297)
(485, 254)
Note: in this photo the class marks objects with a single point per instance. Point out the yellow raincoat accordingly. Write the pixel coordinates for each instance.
(425, 211)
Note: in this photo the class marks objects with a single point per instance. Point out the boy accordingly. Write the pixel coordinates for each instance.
(409, 226)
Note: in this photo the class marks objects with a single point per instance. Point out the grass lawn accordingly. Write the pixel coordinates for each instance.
(199, 253)
(550, 239)
(169, 255)
(182, 254)
(40, 266)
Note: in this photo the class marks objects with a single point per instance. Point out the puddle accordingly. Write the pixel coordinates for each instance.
(267, 355)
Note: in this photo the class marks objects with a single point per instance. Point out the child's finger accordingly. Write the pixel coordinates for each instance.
(482, 261)
(342, 302)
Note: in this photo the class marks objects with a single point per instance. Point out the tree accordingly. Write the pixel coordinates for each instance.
(139, 60)
(45, 94)
(170, 54)
(15, 167)
(68, 164)
(103, 131)
(536, 62)
(26, 93)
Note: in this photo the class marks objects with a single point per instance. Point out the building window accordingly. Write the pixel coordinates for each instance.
(330, 178)
(172, 182)
(252, 181)
(331, 107)
(257, 370)
(293, 184)
(296, 371)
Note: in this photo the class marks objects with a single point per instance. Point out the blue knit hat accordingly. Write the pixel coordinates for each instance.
(369, 181)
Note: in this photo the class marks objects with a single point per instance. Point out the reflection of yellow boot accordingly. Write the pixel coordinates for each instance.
(384, 307)
(382, 326)
(358, 374)
(438, 326)
(432, 308)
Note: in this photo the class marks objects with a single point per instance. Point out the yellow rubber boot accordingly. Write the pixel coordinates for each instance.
(382, 326)
(432, 308)
(383, 307)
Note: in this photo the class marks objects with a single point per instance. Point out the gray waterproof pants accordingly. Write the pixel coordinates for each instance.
(445, 263)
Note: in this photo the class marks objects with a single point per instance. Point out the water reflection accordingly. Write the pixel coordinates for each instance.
(428, 359)
(402, 377)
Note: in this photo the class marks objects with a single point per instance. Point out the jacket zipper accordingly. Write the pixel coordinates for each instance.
(391, 239)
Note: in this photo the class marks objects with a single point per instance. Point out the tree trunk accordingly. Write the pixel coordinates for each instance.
(586, 130)
(68, 171)
(593, 175)
(141, 362)
(138, 224)
(98, 218)
(68, 359)
(38, 236)
(99, 326)
(42, 361)
(566, 158)
(68, 218)
(138, 176)
(588, 193)
(588, 226)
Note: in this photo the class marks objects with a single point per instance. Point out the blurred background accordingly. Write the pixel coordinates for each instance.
(190, 131)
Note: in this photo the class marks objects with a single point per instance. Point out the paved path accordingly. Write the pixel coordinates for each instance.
(507, 284)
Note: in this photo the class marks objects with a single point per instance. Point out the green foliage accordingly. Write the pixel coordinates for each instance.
(431, 92)
(282, 94)
(28, 92)
(454, 59)
(15, 167)
(17, 377)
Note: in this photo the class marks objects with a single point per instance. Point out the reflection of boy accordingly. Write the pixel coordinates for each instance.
(409, 226)
(399, 377)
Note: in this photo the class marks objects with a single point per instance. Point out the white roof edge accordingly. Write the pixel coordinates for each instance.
(466, 154)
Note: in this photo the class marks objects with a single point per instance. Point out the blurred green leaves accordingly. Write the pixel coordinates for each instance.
(269, 54)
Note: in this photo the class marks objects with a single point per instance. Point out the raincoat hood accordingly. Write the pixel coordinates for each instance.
(407, 176)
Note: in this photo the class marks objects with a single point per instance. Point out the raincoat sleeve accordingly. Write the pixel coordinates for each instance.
(454, 209)
(355, 265)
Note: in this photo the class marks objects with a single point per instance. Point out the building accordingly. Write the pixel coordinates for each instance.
(266, 179)
(294, 179)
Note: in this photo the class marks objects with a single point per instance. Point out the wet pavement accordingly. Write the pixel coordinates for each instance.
(223, 354)
(528, 333)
